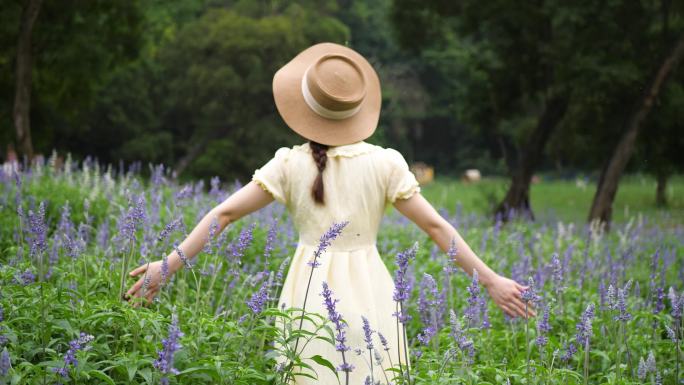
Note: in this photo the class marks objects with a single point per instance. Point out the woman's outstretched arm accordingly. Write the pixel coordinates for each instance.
(249, 198)
(505, 292)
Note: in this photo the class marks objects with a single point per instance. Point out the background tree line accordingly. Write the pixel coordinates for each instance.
(508, 87)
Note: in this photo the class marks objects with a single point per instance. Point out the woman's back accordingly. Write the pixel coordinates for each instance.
(360, 179)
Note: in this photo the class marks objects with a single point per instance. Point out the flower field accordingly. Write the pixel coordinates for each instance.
(609, 304)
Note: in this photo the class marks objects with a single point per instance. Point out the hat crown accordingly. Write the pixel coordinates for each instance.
(336, 82)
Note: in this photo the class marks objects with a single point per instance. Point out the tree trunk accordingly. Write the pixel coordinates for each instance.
(602, 206)
(661, 188)
(194, 151)
(517, 200)
(22, 97)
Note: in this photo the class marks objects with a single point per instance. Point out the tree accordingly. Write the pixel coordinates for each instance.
(218, 73)
(661, 150)
(62, 58)
(601, 207)
(522, 56)
(24, 70)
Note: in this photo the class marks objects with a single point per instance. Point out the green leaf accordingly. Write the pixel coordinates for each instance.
(102, 376)
(322, 361)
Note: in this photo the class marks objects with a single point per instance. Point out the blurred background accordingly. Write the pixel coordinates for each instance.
(576, 97)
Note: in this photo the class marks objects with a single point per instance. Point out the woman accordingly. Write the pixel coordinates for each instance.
(330, 95)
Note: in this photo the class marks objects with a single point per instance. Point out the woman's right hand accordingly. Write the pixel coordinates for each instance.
(152, 271)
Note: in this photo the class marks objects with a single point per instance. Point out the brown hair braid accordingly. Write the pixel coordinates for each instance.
(319, 153)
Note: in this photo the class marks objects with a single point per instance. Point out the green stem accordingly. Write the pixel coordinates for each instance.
(586, 362)
(617, 353)
(124, 267)
(527, 343)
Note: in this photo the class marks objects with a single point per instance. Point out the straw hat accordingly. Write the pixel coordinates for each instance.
(329, 94)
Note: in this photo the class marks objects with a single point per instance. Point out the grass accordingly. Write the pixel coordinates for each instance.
(563, 200)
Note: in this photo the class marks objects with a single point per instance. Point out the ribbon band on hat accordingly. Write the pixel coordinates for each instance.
(319, 109)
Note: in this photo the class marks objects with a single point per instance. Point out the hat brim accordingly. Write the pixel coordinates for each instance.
(287, 92)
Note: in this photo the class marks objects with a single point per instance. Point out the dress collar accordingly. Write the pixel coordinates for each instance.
(346, 150)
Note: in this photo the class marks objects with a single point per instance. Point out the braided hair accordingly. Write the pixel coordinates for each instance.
(319, 153)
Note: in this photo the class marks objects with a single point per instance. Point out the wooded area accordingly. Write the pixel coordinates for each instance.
(510, 88)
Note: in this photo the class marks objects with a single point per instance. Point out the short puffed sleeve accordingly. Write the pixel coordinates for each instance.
(272, 176)
(401, 184)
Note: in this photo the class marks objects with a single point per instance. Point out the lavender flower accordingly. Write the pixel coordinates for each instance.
(543, 327)
(171, 226)
(38, 231)
(570, 351)
(258, 300)
(671, 334)
(659, 303)
(326, 239)
(270, 240)
(650, 362)
(642, 371)
(170, 345)
(182, 256)
(460, 337)
(431, 307)
(367, 333)
(383, 342)
(164, 269)
(130, 220)
(2, 313)
(402, 286)
(337, 320)
(5, 363)
(27, 277)
(530, 294)
(677, 304)
(621, 306)
(647, 366)
(584, 327)
(472, 311)
(335, 317)
(243, 242)
(557, 277)
(610, 297)
(70, 356)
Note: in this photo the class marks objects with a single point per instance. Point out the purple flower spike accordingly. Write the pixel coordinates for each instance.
(326, 239)
(621, 306)
(27, 277)
(337, 320)
(584, 327)
(543, 327)
(677, 303)
(182, 256)
(259, 299)
(402, 286)
(367, 333)
(458, 333)
(383, 342)
(170, 346)
(5, 363)
(70, 356)
(473, 309)
(335, 317)
(530, 295)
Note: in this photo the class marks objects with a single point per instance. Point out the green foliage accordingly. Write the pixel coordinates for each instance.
(224, 342)
(187, 82)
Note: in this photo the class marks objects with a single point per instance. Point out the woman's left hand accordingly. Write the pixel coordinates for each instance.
(507, 294)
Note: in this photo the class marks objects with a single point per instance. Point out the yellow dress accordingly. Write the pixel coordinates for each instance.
(360, 180)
